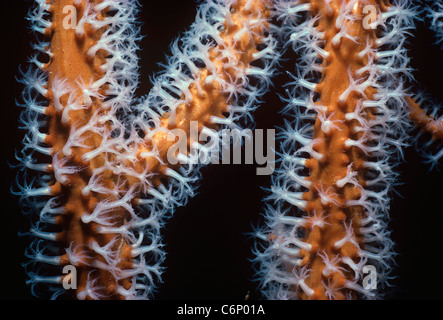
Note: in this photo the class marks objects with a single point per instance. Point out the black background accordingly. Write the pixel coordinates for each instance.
(207, 243)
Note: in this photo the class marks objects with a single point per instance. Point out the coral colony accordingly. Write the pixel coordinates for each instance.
(99, 172)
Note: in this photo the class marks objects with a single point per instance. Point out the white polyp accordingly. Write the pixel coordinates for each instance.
(47, 279)
(306, 289)
(331, 265)
(296, 9)
(87, 97)
(350, 143)
(294, 198)
(303, 245)
(300, 180)
(37, 167)
(292, 220)
(349, 237)
(51, 236)
(86, 218)
(353, 286)
(144, 249)
(56, 261)
(308, 85)
(351, 116)
(326, 126)
(248, 4)
(218, 120)
(44, 191)
(86, 191)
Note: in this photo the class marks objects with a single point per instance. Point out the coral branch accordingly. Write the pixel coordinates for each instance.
(326, 221)
(106, 183)
(428, 123)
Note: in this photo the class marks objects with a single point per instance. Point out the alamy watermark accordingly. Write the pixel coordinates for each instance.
(370, 21)
(70, 20)
(70, 278)
(227, 146)
(370, 281)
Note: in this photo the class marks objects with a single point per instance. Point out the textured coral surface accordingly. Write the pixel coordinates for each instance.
(207, 237)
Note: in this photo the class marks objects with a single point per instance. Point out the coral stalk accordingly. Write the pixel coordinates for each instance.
(101, 185)
(425, 114)
(327, 215)
(428, 123)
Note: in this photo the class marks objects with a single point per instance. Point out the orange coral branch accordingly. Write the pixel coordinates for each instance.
(327, 195)
(109, 177)
(424, 121)
(330, 194)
